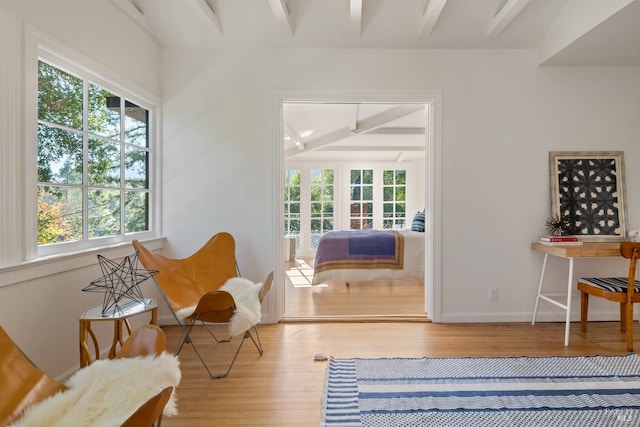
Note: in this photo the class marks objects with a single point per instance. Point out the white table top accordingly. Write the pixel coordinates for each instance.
(123, 309)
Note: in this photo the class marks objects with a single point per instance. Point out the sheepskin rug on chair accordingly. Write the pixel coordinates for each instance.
(245, 295)
(106, 393)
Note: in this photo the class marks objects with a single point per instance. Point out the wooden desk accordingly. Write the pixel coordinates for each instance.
(570, 252)
(119, 318)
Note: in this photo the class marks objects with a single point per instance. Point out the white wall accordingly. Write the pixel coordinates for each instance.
(501, 116)
(40, 303)
(99, 30)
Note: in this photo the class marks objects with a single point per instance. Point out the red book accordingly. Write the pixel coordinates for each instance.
(559, 238)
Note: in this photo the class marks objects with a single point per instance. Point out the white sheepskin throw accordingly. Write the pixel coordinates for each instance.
(185, 312)
(245, 295)
(106, 393)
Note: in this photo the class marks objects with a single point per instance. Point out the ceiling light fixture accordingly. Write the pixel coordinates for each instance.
(306, 133)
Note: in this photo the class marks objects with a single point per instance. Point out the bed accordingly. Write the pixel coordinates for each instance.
(362, 255)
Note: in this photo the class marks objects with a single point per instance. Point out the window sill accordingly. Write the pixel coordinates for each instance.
(31, 270)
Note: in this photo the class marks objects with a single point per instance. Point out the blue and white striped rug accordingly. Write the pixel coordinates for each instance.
(503, 391)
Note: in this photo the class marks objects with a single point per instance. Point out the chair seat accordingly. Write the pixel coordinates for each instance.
(610, 284)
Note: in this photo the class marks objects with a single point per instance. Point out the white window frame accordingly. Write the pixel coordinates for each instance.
(322, 217)
(39, 46)
(394, 218)
(289, 203)
(412, 197)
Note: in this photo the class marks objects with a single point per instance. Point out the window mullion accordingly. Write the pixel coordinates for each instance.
(85, 159)
(122, 163)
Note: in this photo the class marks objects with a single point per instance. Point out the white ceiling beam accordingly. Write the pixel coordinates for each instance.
(372, 123)
(281, 13)
(352, 120)
(204, 12)
(397, 131)
(355, 18)
(380, 149)
(320, 142)
(430, 17)
(134, 13)
(294, 135)
(510, 10)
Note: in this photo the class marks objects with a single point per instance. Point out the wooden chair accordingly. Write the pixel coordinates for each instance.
(22, 384)
(623, 290)
(191, 288)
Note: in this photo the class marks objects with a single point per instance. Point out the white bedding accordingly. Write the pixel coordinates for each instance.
(414, 255)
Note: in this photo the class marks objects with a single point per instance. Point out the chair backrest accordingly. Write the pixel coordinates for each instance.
(184, 281)
(631, 250)
(144, 341)
(22, 384)
(150, 411)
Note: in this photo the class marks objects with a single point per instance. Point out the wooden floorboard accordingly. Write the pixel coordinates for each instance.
(284, 386)
(395, 298)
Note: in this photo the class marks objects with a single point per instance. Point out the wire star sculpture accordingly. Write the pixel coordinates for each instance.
(119, 283)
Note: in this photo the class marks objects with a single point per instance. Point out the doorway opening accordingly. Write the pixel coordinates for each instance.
(327, 148)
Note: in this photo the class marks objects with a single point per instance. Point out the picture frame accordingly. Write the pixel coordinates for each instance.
(589, 188)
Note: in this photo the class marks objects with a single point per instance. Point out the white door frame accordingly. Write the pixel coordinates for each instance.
(433, 175)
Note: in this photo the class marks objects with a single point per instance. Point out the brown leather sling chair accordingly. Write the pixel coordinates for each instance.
(193, 284)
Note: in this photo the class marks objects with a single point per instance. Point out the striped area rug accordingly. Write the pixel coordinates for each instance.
(503, 391)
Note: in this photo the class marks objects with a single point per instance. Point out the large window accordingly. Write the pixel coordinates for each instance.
(340, 196)
(93, 159)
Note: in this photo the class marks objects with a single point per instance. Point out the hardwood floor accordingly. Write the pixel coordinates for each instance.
(375, 298)
(284, 386)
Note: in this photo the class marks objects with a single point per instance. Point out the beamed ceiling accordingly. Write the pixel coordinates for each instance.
(563, 32)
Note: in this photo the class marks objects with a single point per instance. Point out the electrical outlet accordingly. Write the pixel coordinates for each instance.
(493, 294)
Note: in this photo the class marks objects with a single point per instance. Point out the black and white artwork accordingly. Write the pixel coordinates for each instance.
(588, 187)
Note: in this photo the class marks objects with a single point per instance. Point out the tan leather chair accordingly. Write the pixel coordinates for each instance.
(623, 290)
(144, 341)
(195, 282)
(22, 384)
(150, 414)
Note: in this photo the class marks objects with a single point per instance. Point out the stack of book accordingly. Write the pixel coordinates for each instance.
(559, 240)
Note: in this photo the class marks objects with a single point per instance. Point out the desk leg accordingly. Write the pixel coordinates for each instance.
(569, 289)
(85, 353)
(85, 356)
(535, 308)
(117, 337)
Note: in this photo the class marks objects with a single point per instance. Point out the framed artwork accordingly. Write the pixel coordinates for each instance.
(588, 188)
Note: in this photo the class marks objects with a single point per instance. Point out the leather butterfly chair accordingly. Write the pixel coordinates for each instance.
(191, 286)
(623, 290)
(150, 412)
(144, 341)
(22, 384)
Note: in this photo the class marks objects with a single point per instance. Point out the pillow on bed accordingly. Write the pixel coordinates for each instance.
(418, 222)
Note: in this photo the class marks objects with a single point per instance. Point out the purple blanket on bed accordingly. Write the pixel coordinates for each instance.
(360, 249)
